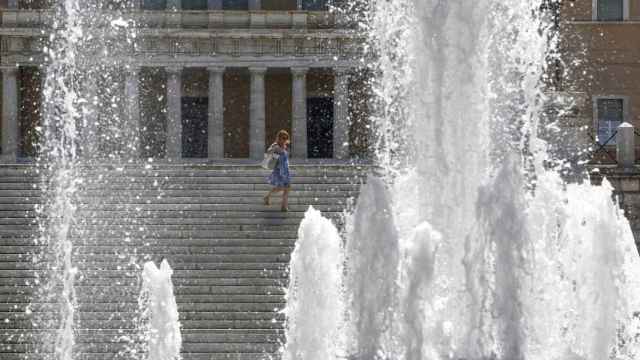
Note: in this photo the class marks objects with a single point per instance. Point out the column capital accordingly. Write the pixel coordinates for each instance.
(342, 71)
(216, 69)
(132, 69)
(299, 71)
(258, 70)
(174, 69)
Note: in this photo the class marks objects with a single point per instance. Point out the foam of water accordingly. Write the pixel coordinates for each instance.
(315, 313)
(469, 246)
(160, 313)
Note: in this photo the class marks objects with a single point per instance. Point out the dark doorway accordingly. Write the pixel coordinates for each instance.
(235, 4)
(194, 127)
(320, 127)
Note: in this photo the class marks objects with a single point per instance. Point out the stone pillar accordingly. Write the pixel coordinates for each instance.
(174, 4)
(625, 143)
(255, 4)
(216, 113)
(12, 4)
(132, 98)
(257, 126)
(341, 114)
(10, 114)
(299, 111)
(174, 113)
(214, 4)
(89, 141)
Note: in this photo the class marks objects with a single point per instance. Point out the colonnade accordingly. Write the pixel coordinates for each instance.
(257, 118)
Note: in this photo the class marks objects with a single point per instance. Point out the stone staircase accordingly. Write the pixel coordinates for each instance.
(228, 250)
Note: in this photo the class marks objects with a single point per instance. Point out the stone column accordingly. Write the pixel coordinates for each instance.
(214, 4)
(255, 4)
(174, 113)
(625, 143)
(132, 98)
(299, 110)
(216, 113)
(10, 114)
(89, 141)
(257, 126)
(341, 114)
(174, 4)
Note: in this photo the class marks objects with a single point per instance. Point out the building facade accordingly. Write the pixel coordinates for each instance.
(210, 80)
(600, 67)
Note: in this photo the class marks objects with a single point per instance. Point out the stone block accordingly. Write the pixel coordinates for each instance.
(629, 185)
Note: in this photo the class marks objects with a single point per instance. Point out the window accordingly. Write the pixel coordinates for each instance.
(154, 4)
(610, 10)
(235, 4)
(315, 5)
(194, 4)
(610, 114)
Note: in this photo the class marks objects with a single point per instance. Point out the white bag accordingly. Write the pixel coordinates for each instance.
(270, 160)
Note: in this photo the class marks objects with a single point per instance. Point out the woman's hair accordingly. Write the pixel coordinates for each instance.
(282, 134)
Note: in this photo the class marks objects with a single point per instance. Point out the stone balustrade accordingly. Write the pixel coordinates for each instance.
(259, 19)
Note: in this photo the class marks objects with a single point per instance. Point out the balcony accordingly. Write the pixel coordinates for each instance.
(196, 19)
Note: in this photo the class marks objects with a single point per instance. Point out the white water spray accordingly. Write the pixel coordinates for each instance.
(478, 250)
(315, 314)
(160, 312)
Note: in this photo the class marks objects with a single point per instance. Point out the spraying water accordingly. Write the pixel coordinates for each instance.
(470, 247)
(160, 311)
(315, 313)
(86, 46)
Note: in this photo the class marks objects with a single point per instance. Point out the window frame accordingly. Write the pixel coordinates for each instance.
(594, 11)
(596, 115)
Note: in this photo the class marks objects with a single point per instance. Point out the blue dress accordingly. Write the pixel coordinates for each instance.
(280, 175)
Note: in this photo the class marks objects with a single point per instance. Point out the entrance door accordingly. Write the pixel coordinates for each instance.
(320, 127)
(194, 127)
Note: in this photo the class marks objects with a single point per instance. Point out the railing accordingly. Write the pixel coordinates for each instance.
(198, 19)
(601, 151)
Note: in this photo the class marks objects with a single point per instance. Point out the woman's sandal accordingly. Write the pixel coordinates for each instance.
(284, 209)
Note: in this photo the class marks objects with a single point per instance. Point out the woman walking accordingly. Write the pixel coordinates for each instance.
(280, 178)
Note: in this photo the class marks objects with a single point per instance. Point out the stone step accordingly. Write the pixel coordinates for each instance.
(186, 324)
(223, 292)
(135, 201)
(188, 306)
(189, 336)
(270, 213)
(19, 186)
(153, 181)
(159, 250)
(261, 355)
(257, 207)
(27, 264)
(135, 242)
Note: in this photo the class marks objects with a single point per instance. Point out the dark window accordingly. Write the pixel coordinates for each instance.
(154, 4)
(194, 4)
(610, 116)
(279, 5)
(610, 10)
(320, 127)
(194, 127)
(235, 4)
(33, 4)
(315, 5)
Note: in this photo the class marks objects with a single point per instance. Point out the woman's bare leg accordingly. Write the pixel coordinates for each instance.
(285, 199)
(267, 199)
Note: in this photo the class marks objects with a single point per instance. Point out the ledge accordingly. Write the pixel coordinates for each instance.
(198, 19)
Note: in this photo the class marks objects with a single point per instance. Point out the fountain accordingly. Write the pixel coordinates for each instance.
(468, 246)
(87, 43)
(471, 245)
